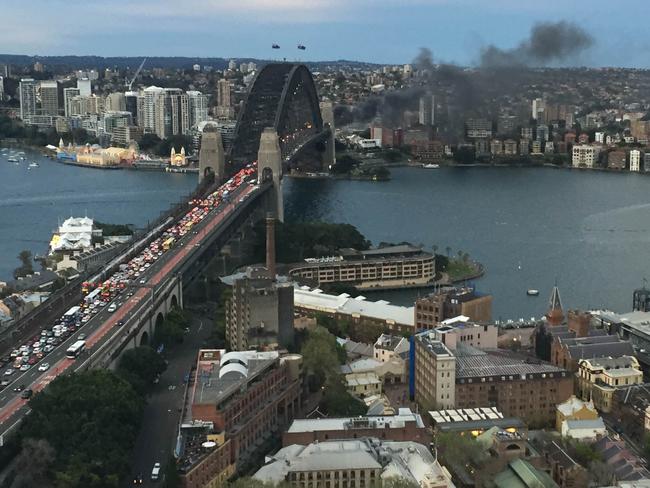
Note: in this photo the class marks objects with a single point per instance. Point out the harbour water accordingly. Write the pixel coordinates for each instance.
(34, 200)
(530, 227)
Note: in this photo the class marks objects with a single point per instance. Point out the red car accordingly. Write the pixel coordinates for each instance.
(32, 361)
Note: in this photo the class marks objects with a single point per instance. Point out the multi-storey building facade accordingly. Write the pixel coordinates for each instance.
(49, 92)
(599, 378)
(27, 93)
(387, 267)
(431, 310)
(468, 377)
(584, 156)
(238, 401)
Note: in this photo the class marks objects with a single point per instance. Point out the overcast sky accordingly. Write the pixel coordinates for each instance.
(382, 31)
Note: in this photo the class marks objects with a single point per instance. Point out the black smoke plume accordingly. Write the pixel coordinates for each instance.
(548, 43)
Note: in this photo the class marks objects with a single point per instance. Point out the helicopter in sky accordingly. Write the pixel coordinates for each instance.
(301, 47)
(275, 46)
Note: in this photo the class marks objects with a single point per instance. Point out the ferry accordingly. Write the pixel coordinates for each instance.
(33, 164)
(431, 166)
(532, 292)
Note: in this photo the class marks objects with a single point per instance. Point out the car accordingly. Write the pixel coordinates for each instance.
(5, 383)
(44, 367)
(112, 308)
(25, 367)
(32, 361)
(19, 388)
(143, 281)
(155, 472)
(47, 349)
(26, 394)
(120, 323)
(81, 337)
(137, 479)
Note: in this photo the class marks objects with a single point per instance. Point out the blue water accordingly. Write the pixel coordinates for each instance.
(34, 201)
(590, 231)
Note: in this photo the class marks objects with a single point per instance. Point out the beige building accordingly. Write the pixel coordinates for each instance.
(585, 156)
(435, 374)
(599, 378)
(362, 385)
(354, 463)
(431, 310)
(459, 330)
(387, 267)
(574, 409)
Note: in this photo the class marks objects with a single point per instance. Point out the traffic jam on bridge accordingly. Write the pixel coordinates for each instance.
(98, 295)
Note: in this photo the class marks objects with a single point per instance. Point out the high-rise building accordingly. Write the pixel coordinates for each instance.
(427, 109)
(224, 99)
(27, 91)
(84, 86)
(131, 103)
(585, 155)
(2, 88)
(478, 128)
(179, 113)
(635, 160)
(115, 102)
(232, 65)
(39, 67)
(49, 91)
(68, 95)
(198, 108)
(542, 133)
(538, 107)
(147, 101)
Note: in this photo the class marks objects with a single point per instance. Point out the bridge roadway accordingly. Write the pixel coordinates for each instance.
(97, 330)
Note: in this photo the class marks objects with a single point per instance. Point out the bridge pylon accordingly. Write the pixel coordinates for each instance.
(327, 114)
(269, 168)
(211, 155)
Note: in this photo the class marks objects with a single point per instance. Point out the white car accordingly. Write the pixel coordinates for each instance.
(9, 372)
(25, 367)
(44, 367)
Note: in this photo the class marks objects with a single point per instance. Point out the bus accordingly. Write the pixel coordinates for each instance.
(92, 296)
(71, 315)
(168, 243)
(75, 349)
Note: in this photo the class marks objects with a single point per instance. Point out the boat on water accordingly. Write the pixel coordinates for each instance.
(532, 292)
(33, 164)
(12, 160)
(431, 166)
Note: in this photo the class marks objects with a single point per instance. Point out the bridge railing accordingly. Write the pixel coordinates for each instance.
(70, 295)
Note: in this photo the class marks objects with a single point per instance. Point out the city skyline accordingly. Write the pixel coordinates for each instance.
(383, 31)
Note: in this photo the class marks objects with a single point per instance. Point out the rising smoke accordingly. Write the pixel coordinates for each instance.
(548, 43)
(465, 92)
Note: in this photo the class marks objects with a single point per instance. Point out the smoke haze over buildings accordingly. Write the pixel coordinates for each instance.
(548, 43)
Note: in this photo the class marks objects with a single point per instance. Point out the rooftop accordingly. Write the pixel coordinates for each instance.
(317, 300)
(220, 374)
(406, 460)
(398, 421)
(472, 363)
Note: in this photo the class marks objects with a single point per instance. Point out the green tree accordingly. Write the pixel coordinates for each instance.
(32, 466)
(140, 367)
(172, 329)
(320, 358)
(26, 267)
(91, 420)
(338, 402)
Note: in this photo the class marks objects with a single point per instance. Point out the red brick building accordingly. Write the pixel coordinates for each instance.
(238, 400)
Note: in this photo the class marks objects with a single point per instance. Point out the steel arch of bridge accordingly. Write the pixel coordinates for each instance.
(282, 96)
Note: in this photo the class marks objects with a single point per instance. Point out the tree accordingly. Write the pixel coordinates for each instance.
(320, 356)
(140, 367)
(172, 329)
(26, 267)
(91, 420)
(149, 143)
(33, 464)
(457, 449)
(338, 402)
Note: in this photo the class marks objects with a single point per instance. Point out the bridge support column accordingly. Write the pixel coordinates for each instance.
(211, 155)
(327, 113)
(269, 167)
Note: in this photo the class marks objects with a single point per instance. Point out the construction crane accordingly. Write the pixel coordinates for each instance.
(137, 72)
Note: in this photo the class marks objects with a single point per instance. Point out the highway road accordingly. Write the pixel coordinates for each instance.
(98, 329)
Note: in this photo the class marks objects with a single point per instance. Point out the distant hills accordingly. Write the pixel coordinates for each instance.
(171, 62)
